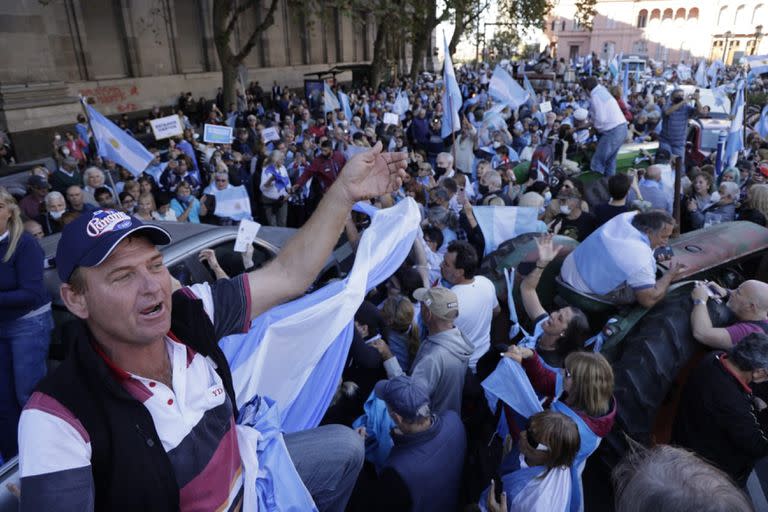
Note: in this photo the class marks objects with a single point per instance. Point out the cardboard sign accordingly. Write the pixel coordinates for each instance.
(216, 134)
(545, 107)
(390, 118)
(165, 127)
(246, 234)
(270, 134)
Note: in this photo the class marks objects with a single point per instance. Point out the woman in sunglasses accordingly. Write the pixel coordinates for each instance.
(537, 470)
(586, 382)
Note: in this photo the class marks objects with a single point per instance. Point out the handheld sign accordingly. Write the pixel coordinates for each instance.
(216, 134)
(165, 127)
(270, 134)
(390, 118)
(545, 107)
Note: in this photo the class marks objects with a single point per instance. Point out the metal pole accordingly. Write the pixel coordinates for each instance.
(676, 203)
(96, 145)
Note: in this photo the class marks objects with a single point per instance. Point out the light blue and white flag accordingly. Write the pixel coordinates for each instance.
(735, 141)
(712, 71)
(330, 100)
(504, 89)
(232, 119)
(502, 223)
(509, 383)
(401, 104)
(758, 64)
(295, 353)
(588, 65)
(344, 100)
(232, 203)
(762, 125)
(613, 68)
(529, 89)
(451, 96)
(701, 74)
(114, 144)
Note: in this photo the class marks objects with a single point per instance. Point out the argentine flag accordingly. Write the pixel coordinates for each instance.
(451, 96)
(295, 353)
(758, 64)
(762, 125)
(344, 100)
(504, 89)
(232, 203)
(329, 99)
(701, 74)
(116, 145)
(735, 141)
(401, 105)
(529, 88)
(502, 223)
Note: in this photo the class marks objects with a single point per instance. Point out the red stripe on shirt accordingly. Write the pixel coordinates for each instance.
(46, 403)
(210, 489)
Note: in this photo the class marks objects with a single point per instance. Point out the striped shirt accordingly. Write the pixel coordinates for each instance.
(194, 422)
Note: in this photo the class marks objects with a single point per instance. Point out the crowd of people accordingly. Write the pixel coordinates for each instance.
(422, 353)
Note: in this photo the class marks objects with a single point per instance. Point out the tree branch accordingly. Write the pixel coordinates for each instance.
(267, 22)
(237, 12)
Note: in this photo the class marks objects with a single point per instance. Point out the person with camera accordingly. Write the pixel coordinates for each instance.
(674, 122)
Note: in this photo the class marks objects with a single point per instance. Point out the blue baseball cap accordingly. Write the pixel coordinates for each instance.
(403, 395)
(89, 239)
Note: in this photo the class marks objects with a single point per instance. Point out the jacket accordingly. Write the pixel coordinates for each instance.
(21, 279)
(727, 213)
(441, 366)
(131, 470)
(717, 419)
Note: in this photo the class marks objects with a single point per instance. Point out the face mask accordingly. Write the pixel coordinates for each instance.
(483, 189)
(565, 209)
(56, 215)
(440, 170)
(547, 197)
(677, 99)
(496, 144)
(65, 151)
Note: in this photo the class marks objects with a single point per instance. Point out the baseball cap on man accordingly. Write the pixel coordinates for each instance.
(403, 395)
(89, 239)
(38, 182)
(441, 302)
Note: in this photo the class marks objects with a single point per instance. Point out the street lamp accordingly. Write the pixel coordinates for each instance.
(758, 35)
(725, 47)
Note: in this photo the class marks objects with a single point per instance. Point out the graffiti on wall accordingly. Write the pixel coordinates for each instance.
(118, 97)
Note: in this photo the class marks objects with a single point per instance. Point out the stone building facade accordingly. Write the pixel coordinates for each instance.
(664, 30)
(133, 54)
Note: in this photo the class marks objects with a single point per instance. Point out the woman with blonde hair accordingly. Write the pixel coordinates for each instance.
(145, 207)
(537, 475)
(399, 314)
(583, 391)
(756, 205)
(25, 320)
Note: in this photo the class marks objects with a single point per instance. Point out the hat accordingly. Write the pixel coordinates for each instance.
(38, 182)
(89, 239)
(580, 114)
(441, 302)
(404, 396)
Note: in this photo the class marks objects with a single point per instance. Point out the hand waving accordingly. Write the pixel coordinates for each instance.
(373, 173)
(547, 249)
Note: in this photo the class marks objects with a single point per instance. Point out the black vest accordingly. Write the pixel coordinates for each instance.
(131, 470)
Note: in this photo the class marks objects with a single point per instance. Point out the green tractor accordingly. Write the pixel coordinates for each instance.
(651, 350)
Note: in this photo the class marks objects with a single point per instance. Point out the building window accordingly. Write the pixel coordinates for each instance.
(562, 26)
(642, 18)
(655, 15)
(680, 14)
(693, 14)
(576, 24)
(758, 14)
(667, 14)
(739, 13)
(721, 16)
(552, 27)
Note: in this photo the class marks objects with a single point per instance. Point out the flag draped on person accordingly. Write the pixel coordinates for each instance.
(502, 223)
(735, 141)
(451, 96)
(331, 102)
(113, 143)
(344, 100)
(701, 74)
(401, 105)
(504, 89)
(762, 125)
(712, 71)
(232, 203)
(625, 83)
(284, 356)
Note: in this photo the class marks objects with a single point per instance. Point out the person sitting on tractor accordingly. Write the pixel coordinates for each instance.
(617, 264)
(748, 303)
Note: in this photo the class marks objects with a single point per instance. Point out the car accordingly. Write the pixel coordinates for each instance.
(181, 258)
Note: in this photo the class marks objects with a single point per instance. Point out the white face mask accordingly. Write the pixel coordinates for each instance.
(547, 197)
(496, 144)
(56, 215)
(65, 151)
(565, 209)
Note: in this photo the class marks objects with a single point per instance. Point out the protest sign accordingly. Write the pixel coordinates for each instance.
(216, 134)
(165, 127)
(246, 234)
(390, 118)
(270, 134)
(545, 107)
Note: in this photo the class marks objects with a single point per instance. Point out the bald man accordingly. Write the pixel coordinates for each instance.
(749, 304)
(653, 190)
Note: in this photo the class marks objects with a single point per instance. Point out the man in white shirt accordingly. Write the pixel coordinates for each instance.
(609, 123)
(477, 297)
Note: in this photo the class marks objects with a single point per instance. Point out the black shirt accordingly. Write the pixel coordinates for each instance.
(605, 212)
(578, 228)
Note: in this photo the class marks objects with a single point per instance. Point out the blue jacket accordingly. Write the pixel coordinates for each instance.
(21, 279)
(430, 463)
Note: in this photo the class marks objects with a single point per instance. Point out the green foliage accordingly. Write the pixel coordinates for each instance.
(523, 14)
(585, 13)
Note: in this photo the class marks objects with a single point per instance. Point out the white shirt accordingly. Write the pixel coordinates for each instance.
(604, 110)
(477, 301)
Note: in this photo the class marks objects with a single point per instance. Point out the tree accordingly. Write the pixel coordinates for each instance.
(523, 14)
(466, 14)
(225, 15)
(585, 13)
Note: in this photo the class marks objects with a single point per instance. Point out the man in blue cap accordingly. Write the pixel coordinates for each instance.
(423, 470)
(141, 415)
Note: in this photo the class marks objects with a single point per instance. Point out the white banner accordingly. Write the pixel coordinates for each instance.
(165, 127)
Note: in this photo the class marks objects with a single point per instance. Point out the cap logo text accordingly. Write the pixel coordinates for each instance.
(105, 221)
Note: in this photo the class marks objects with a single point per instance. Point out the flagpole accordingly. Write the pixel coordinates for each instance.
(96, 145)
